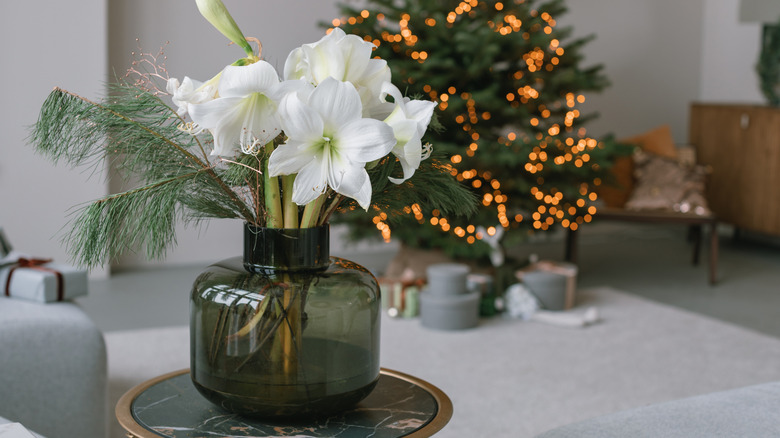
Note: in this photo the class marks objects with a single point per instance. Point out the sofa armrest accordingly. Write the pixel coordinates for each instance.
(53, 369)
(752, 411)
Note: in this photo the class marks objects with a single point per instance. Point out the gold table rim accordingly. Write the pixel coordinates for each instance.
(437, 423)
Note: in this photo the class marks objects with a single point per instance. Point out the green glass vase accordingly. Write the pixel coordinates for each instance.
(286, 331)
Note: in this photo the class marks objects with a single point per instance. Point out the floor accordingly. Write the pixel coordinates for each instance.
(652, 261)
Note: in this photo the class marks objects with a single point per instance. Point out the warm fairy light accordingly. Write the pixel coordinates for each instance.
(550, 124)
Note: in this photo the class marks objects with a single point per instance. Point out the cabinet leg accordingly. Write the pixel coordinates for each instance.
(714, 253)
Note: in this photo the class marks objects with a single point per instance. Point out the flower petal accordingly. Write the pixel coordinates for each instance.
(299, 121)
(323, 61)
(239, 81)
(294, 65)
(208, 114)
(421, 111)
(289, 158)
(365, 140)
(260, 123)
(356, 55)
(310, 183)
(336, 102)
(353, 182)
(408, 149)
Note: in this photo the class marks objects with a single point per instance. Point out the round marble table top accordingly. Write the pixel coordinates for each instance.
(170, 406)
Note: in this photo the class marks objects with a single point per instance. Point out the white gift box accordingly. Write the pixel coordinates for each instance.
(43, 282)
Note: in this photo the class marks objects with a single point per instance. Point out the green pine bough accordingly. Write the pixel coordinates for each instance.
(509, 82)
(768, 67)
(141, 138)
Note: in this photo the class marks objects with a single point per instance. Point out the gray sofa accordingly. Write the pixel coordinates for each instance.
(752, 411)
(53, 369)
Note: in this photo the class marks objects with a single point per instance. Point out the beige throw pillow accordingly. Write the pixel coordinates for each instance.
(667, 185)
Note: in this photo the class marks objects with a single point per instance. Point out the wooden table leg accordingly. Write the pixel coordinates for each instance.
(571, 246)
(695, 232)
(714, 252)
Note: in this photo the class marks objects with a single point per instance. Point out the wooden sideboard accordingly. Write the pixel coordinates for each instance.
(741, 144)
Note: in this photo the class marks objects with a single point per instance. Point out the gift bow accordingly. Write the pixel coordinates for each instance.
(36, 264)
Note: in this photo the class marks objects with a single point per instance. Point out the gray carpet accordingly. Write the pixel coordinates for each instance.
(509, 378)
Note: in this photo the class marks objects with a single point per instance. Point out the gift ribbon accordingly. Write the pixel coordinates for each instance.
(36, 264)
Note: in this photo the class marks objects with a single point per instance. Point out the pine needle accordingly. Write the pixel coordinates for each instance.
(139, 135)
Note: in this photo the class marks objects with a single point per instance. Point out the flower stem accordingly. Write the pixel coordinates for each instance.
(334, 204)
(291, 333)
(273, 199)
(290, 208)
(311, 213)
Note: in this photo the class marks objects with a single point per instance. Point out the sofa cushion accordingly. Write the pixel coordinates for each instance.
(752, 411)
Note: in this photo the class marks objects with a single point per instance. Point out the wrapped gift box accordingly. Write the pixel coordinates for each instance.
(400, 299)
(551, 282)
(42, 281)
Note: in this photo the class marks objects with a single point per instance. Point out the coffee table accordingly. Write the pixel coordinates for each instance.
(169, 406)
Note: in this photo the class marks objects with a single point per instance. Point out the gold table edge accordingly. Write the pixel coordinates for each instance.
(440, 419)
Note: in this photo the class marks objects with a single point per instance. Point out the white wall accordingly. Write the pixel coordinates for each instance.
(729, 55)
(197, 50)
(57, 43)
(650, 53)
(660, 55)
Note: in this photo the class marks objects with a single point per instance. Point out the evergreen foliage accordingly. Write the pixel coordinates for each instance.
(139, 135)
(768, 67)
(508, 81)
(142, 137)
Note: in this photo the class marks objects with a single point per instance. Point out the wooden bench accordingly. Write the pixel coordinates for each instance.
(695, 222)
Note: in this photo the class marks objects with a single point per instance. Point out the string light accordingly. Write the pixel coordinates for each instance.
(558, 144)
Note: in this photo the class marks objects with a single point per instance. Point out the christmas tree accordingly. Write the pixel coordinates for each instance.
(508, 83)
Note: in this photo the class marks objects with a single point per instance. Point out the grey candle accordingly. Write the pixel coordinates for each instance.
(449, 312)
(447, 279)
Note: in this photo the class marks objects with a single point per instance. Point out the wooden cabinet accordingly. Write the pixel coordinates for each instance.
(741, 143)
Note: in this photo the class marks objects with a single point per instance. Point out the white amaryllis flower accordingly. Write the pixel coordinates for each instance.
(329, 143)
(346, 58)
(409, 121)
(187, 92)
(244, 114)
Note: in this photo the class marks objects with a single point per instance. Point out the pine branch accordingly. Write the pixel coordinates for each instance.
(140, 218)
(431, 187)
(139, 134)
(134, 129)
